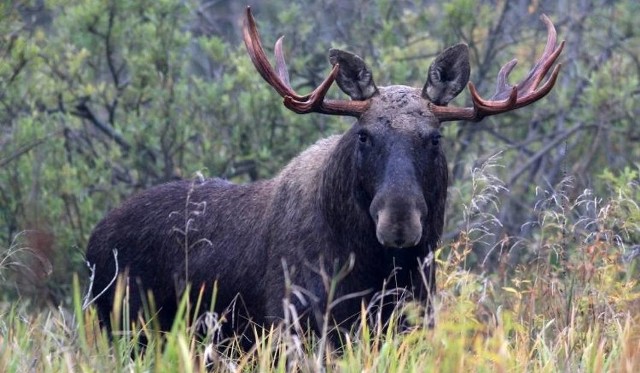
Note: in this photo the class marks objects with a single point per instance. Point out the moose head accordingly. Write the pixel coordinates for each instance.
(398, 127)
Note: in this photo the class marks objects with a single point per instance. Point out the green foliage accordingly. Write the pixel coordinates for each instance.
(102, 102)
(624, 214)
(538, 267)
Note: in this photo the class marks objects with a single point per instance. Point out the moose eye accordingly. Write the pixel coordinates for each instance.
(435, 139)
(363, 137)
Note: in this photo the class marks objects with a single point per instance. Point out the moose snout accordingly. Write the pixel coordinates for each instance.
(398, 229)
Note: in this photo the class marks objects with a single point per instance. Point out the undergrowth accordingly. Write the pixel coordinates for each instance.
(571, 305)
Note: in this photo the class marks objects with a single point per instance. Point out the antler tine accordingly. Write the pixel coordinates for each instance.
(279, 79)
(549, 56)
(261, 62)
(509, 97)
(281, 64)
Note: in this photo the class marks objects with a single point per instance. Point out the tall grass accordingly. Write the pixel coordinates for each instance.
(573, 305)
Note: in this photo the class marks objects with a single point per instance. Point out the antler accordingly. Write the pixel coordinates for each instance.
(279, 79)
(508, 97)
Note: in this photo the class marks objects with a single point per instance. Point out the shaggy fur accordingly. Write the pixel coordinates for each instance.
(376, 193)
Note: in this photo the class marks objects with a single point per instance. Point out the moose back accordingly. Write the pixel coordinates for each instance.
(370, 201)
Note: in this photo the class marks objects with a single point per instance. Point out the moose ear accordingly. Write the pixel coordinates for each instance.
(448, 75)
(354, 77)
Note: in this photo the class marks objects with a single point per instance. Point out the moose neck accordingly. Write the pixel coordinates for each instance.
(343, 203)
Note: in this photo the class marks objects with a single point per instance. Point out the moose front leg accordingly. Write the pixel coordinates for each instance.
(425, 280)
(420, 288)
(410, 290)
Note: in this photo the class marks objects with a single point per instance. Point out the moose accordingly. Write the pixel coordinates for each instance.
(371, 200)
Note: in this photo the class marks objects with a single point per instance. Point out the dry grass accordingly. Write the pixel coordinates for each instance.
(572, 306)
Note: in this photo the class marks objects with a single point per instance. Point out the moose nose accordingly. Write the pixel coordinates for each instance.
(398, 230)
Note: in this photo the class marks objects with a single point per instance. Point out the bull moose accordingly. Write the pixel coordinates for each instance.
(371, 200)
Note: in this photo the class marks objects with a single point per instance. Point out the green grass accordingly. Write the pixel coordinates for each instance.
(541, 322)
(573, 306)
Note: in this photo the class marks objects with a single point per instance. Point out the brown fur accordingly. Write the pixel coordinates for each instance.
(376, 193)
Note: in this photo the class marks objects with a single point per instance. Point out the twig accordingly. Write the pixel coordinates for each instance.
(86, 301)
(25, 149)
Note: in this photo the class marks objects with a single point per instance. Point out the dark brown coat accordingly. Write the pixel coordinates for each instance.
(375, 194)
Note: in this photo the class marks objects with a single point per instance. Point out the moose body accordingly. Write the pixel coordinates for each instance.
(313, 216)
(371, 200)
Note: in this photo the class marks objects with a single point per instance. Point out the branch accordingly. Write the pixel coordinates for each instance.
(83, 111)
(23, 149)
(542, 152)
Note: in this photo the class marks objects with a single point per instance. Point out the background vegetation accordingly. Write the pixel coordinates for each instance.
(103, 98)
